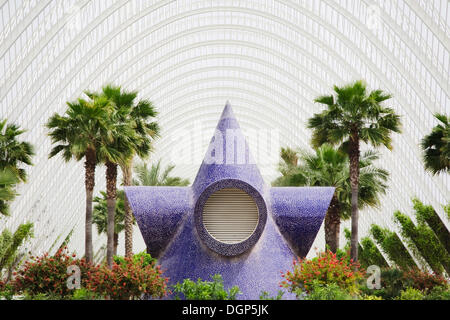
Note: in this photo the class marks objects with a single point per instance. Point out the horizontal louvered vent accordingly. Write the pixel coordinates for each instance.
(230, 215)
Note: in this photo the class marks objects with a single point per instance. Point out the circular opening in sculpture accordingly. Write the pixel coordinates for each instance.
(230, 215)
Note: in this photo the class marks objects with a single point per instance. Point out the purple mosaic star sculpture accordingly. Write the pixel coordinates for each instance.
(170, 220)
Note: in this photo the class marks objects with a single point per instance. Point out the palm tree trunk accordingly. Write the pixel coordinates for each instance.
(116, 242)
(111, 180)
(332, 225)
(89, 183)
(127, 180)
(354, 184)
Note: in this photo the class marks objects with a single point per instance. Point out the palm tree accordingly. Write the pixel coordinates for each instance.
(154, 176)
(352, 116)
(436, 146)
(14, 153)
(330, 167)
(101, 215)
(8, 180)
(139, 115)
(77, 135)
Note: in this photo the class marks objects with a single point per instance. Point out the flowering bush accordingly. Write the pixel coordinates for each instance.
(423, 281)
(48, 274)
(128, 279)
(326, 268)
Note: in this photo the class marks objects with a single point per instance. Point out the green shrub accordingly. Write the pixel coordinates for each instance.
(205, 290)
(6, 291)
(426, 214)
(324, 269)
(331, 291)
(371, 297)
(85, 294)
(438, 293)
(411, 294)
(143, 257)
(266, 296)
(393, 247)
(10, 245)
(370, 255)
(423, 242)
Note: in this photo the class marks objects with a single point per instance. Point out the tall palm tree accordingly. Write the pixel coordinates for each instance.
(155, 176)
(14, 153)
(351, 117)
(330, 167)
(8, 180)
(77, 135)
(140, 116)
(100, 216)
(436, 146)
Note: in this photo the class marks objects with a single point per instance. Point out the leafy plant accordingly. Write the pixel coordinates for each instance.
(424, 281)
(144, 258)
(393, 247)
(331, 291)
(205, 290)
(411, 294)
(436, 146)
(47, 274)
(438, 293)
(326, 268)
(128, 279)
(426, 242)
(85, 294)
(10, 245)
(427, 215)
(266, 296)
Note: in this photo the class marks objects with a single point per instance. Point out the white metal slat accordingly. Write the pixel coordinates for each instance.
(230, 215)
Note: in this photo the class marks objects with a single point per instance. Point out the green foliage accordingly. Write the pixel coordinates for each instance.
(155, 176)
(331, 291)
(330, 167)
(8, 181)
(394, 281)
(205, 290)
(142, 257)
(368, 252)
(326, 268)
(393, 247)
(85, 294)
(351, 110)
(438, 293)
(371, 297)
(370, 255)
(427, 215)
(266, 296)
(436, 146)
(14, 154)
(100, 213)
(411, 294)
(11, 243)
(426, 242)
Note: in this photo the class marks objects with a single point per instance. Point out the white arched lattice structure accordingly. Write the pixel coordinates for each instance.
(270, 58)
